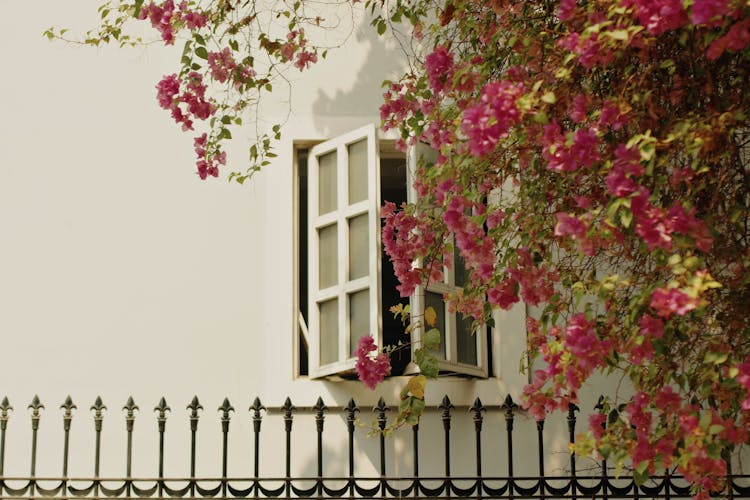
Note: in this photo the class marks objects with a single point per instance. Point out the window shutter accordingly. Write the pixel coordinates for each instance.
(344, 249)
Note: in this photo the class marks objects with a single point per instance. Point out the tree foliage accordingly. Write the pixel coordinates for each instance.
(593, 162)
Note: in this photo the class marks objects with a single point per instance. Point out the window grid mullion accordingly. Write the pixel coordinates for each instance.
(342, 180)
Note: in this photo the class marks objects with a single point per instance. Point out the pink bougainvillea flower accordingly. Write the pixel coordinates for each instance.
(669, 301)
(439, 67)
(371, 368)
(488, 121)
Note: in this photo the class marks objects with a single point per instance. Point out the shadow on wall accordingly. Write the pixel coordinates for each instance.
(379, 62)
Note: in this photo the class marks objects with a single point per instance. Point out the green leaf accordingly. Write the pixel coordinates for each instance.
(382, 27)
(428, 364)
(432, 339)
(225, 134)
(201, 52)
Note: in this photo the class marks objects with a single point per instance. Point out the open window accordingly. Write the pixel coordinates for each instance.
(463, 348)
(346, 282)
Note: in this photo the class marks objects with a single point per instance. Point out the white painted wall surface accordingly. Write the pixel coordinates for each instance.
(122, 273)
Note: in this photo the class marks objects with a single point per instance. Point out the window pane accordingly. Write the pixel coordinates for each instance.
(460, 273)
(359, 317)
(467, 340)
(435, 300)
(329, 331)
(328, 257)
(359, 247)
(358, 171)
(327, 201)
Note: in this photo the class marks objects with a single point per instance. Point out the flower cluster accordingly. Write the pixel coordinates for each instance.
(295, 49)
(488, 121)
(165, 17)
(372, 367)
(171, 98)
(208, 163)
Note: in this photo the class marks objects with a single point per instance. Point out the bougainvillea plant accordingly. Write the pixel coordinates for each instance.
(594, 163)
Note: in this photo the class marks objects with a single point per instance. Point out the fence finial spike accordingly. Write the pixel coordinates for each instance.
(68, 405)
(130, 405)
(320, 407)
(477, 407)
(351, 407)
(226, 407)
(446, 405)
(288, 407)
(5, 405)
(36, 404)
(257, 406)
(98, 405)
(162, 406)
(195, 405)
(599, 403)
(509, 404)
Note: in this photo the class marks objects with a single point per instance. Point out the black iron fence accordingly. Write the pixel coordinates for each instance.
(600, 482)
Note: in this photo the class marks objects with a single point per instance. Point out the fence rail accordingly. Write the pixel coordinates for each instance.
(572, 484)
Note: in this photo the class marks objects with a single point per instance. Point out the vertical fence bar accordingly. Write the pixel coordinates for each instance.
(5, 407)
(225, 408)
(540, 446)
(381, 408)
(257, 419)
(288, 418)
(351, 416)
(320, 416)
(476, 410)
(446, 407)
(194, 406)
(509, 406)
(130, 408)
(415, 445)
(68, 408)
(35, 406)
(572, 409)
(97, 407)
(161, 419)
(605, 490)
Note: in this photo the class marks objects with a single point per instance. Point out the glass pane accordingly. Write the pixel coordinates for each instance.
(435, 300)
(359, 317)
(327, 201)
(358, 171)
(328, 256)
(359, 247)
(329, 331)
(460, 273)
(467, 340)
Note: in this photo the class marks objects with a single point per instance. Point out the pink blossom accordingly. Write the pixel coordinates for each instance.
(305, 59)
(669, 301)
(658, 16)
(504, 294)
(737, 38)
(626, 167)
(705, 11)
(221, 64)
(579, 108)
(566, 9)
(488, 121)
(439, 67)
(371, 368)
(651, 327)
(562, 157)
(743, 378)
(161, 19)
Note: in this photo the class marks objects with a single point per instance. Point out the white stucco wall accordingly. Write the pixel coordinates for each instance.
(122, 273)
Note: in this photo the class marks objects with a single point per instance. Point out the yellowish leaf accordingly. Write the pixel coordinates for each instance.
(430, 316)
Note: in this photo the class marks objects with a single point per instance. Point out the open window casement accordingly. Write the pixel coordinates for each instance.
(343, 240)
(462, 350)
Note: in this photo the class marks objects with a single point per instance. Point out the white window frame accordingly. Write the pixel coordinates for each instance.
(448, 285)
(340, 216)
